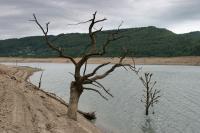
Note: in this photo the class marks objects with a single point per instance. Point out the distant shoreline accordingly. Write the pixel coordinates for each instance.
(183, 60)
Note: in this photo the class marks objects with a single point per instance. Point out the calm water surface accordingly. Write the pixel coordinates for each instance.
(177, 112)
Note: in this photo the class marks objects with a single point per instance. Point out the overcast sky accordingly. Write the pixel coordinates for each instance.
(179, 16)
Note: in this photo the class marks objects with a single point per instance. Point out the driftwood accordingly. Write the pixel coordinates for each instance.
(89, 115)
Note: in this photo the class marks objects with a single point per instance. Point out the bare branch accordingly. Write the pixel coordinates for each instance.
(107, 91)
(108, 71)
(111, 37)
(85, 68)
(81, 22)
(101, 20)
(151, 88)
(97, 77)
(99, 30)
(45, 32)
(99, 85)
(96, 85)
(97, 92)
(47, 27)
(93, 34)
(96, 69)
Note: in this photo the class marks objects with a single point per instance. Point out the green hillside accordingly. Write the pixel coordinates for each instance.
(143, 42)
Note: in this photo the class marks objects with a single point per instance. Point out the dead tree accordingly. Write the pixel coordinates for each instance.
(81, 79)
(40, 81)
(150, 95)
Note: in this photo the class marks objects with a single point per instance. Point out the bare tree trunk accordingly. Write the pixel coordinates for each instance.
(75, 93)
(40, 82)
(147, 102)
(147, 111)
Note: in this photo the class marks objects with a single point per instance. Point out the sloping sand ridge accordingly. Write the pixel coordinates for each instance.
(25, 109)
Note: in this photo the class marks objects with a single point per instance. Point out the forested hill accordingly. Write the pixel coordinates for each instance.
(142, 42)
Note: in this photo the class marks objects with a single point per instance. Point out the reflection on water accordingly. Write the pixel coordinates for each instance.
(148, 126)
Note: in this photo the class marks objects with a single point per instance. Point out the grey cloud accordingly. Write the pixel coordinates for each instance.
(14, 14)
(183, 10)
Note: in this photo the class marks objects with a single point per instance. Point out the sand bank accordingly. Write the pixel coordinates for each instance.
(25, 109)
(185, 60)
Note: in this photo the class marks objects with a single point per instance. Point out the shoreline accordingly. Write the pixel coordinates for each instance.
(183, 60)
(25, 108)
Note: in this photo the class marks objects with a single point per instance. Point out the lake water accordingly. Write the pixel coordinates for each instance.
(178, 110)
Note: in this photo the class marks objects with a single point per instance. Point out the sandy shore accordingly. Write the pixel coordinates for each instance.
(25, 109)
(186, 60)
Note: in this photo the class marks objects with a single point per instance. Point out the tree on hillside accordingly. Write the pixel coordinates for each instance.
(82, 79)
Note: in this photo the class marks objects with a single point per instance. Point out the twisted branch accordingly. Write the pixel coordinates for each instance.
(97, 92)
(45, 32)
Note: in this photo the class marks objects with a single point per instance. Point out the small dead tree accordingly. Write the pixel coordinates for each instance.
(150, 95)
(81, 79)
(40, 81)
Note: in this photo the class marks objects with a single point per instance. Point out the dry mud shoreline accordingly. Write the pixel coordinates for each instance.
(25, 109)
(184, 60)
